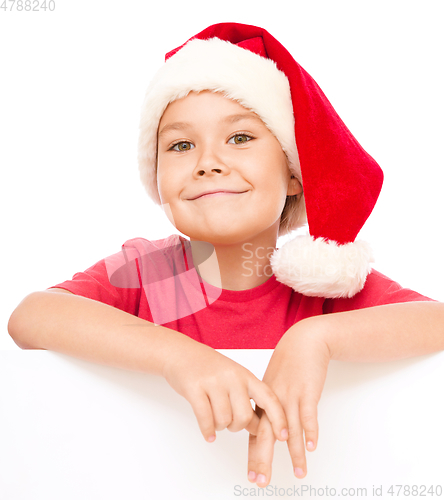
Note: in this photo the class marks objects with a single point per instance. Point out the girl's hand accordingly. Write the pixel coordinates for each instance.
(219, 391)
(296, 373)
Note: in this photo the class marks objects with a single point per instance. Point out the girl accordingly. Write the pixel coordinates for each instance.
(239, 146)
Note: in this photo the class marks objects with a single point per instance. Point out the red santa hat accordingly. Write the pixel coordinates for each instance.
(341, 182)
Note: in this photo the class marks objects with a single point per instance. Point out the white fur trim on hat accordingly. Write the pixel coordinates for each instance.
(321, 268)
(219, 66)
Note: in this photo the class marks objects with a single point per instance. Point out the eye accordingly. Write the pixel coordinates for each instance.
(239, 139)
(181, 146)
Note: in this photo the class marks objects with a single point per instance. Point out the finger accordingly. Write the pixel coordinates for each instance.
(253, 425)
(295, 443)
(252, 440)
(260, 456)
(308, 414)
(252, 458)
(204, 415)
(221, 406)
(269, 402)
(243, 413)
(303, 419)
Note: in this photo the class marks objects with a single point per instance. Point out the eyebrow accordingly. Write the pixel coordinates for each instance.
(174, 126)
(227, 119)
(242, 116)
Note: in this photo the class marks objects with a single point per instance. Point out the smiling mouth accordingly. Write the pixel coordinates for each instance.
(218, 193)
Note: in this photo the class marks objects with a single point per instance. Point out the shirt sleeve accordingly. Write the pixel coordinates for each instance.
(109, 281)
(378, 290)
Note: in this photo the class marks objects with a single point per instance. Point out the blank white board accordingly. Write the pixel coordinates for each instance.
(74, 430)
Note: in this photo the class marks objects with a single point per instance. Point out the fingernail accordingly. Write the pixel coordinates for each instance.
(251, 476)
(310, 445)
(211, 439)
(261, 479)
(284, 434)
(298, 471)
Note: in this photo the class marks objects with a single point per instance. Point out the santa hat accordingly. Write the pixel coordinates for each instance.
(341, 182)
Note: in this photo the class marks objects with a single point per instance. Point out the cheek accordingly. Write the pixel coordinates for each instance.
(165, 181)
(160, 181)
(274, 175)
(276, 189)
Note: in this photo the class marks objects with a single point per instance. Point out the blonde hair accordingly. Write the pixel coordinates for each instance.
(293, 214)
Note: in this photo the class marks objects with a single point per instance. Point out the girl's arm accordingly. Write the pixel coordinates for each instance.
(384, 333)
(218, 389)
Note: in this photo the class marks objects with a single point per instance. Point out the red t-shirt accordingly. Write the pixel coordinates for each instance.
(157, 281)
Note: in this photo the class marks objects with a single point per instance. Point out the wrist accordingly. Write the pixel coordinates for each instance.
(182, 353)
(314, 330)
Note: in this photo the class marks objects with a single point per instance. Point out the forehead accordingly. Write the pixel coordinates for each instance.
(198, 104)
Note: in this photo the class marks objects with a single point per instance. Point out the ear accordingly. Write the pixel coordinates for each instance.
(294, 187)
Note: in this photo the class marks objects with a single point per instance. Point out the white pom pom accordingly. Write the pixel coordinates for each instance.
(322, 268)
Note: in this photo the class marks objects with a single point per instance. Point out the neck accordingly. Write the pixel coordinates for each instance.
(238, 266)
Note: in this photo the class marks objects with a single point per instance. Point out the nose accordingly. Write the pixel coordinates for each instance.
(210, 163)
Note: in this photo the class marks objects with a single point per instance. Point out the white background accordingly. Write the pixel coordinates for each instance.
(71, 87)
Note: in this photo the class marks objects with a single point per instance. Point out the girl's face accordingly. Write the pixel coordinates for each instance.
(207, 142)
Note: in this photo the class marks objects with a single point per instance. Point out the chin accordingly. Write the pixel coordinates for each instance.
(226, 238)
(226, 231)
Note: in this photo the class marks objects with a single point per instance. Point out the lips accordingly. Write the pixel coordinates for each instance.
(216, 191)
